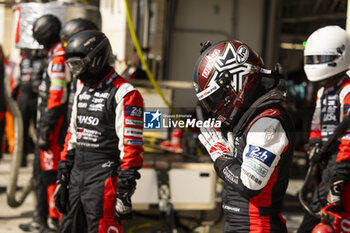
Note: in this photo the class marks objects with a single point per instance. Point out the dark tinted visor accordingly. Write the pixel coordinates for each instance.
(211, 103)
(319, 59)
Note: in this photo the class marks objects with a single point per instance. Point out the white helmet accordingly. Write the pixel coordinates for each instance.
(327, 53)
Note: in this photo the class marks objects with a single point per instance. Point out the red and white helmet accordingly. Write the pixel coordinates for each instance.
(226, 77)
(327, 53)
(323, 227)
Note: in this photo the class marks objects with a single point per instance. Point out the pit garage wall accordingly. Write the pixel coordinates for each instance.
(6, 34)
(114, 25)
(197, 21)
(194, 21)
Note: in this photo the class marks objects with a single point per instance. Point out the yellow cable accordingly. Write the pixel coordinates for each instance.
(143, 62)
(142, 226)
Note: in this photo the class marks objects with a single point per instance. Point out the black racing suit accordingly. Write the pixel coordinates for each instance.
(104, 141)
(2, 102)
(332, 104)
(256, 176)
(31, 69)
(51, 128)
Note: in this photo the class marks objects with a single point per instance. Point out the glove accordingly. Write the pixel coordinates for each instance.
(313, 149)
(215, 142)
(335, 195)
(123, 206)
(61, 192)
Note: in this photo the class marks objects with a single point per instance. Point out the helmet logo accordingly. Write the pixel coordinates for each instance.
(89, 41)
(211, 62)
(229, 62)
(242, 54)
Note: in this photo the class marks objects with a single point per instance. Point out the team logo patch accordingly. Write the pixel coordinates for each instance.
(259, 153)
(133, 111)
(151, 120)
(346, 136)
(242, 54)
(133, 132)
(58, 67)
(133, 142)
(133, 122)
(252, 177)
(84, 96)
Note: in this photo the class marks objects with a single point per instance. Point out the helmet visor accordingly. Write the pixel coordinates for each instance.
(218, 100)
(76, 65)
(319, 59)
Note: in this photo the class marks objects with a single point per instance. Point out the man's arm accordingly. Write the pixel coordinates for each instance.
(66, 161)
(56, 99)
(67, 154)
(129, 128)
(342, 166)
(266, 141)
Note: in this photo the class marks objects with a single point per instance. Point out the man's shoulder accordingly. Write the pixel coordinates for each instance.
(123, 88)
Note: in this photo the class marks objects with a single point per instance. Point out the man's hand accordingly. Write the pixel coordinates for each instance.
(215, 142)
(335, 195)
(43, 143)
(61, 193)
(123, 206)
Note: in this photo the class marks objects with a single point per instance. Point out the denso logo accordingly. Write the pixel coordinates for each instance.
(89, 120)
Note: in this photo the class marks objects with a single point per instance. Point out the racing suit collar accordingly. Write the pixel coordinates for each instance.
(54, 47)
(272, 97)
(335, 82)
(106, 72)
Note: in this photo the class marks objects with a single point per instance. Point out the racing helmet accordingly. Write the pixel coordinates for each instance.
(322, 227)
(226, 79)
(46, 30)
(88, 53)
(327, 53)
(74, 26)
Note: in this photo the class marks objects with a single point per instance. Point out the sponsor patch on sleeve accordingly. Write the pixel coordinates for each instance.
(260, 154)
(133, 132)
(133, 111)
(133, 142)
(133, 122)
(57, 67)
(251, 176)
(346, 136)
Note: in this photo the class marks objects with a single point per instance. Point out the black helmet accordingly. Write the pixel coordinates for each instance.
(46, 30)
(74, 26)
(88, 53)
(227, 78)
